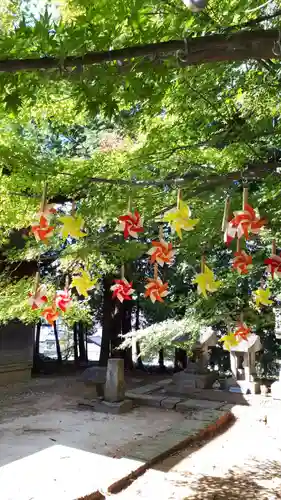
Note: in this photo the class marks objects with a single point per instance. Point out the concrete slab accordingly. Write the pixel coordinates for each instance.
(145, 399)
(170, 403)
(188, 404)
(144, 389)
(209, 415)
(62, 473)
(114, 408)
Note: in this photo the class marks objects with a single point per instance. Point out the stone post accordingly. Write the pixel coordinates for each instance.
(115, 381)
(233, 364)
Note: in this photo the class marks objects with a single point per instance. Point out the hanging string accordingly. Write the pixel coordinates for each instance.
(202, 264)
(129, 204)
(273, 247)
(161, 232)
(155, 268)
(225, 214)
(67, 283)
(238, 245)
(44, 197)
(179, 198)
(245, 197)
(73, 208)
(36, 282)
(122, 272)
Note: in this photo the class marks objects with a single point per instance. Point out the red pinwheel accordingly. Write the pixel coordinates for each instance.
(42, 231)
(242, 262)
(161, 252)
(242, 332)
(156, 290)
(130, 224)
(51, 314)
(243, 223)
(63, 300)
(47, 212)
(38, 298)
(122, 290)
(274, 265)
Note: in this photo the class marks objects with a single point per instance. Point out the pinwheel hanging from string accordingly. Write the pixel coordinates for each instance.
(261, 296)
(63, 298)
(179, 218)
(242, 262)
(82, 282)
(122, 289)
(244, 222)
(72, 225)
(229, 341)
(38, 297)
(42, 230)
(274, 263)
(161, 252)
(242, 331)
(130, 224)
(156, 290)
(206, 281)
(51, 314)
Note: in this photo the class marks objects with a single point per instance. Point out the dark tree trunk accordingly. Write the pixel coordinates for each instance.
(127, 308)
(36, 346)
(161, 360)
(81, 343)
(108, 311)
(75, 343)
(139, 362)
(180, 362)
(57, 343)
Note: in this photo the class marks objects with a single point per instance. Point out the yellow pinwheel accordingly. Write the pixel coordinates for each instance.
(206, 282)
(72, 226)
(83, 283)
(229, 341)
(179, 219)
(262, 297)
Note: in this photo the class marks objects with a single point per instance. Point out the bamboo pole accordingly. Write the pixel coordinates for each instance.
(225, 214)
(245, 197)
(179, 198)
(122, 271)
(273, 247)
(44, 197)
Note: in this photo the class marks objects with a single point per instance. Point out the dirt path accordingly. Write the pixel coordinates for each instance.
(243, 463)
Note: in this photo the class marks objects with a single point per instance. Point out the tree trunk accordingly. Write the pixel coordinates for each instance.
(126, 325)
(75, 343)
(81, 343)
(108, 311)
(36, 346)
(57, 343)
(139, 362)
(161, 360)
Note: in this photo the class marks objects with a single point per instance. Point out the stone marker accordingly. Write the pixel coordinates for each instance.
(94, 379)
(115, 381)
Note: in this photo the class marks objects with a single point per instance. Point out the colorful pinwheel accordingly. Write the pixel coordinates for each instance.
(51, 314)
(72, 226)
(206, 282)
(242, 262)
(262, 297)
(38, 298)
(63, 300)
(47, 212)
(130, 224)
(179, 219)
(274, 265)
(83, 283)
(122, 290)
(229, 341)
(42, 231)
(161, 252)
(156, 290)
(242, 332)
(243, 223)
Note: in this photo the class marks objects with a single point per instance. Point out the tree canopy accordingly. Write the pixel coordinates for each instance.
(140, 127)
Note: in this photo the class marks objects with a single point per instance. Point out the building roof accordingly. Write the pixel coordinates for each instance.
(253, 343)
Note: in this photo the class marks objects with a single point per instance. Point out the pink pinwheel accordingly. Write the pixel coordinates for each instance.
(274, 265)
(63, 300)
(122, 290)
(161, 252)
(243, 223)
(130, 224)
(242, 262)
(38, 298)
(47, 212)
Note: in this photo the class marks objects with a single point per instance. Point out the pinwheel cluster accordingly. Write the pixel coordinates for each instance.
(232, 339)
(60, 303)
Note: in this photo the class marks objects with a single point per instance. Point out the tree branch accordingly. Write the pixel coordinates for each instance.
(238, 46)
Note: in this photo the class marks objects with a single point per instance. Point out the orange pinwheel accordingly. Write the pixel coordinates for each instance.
(242, 332)
(161, 252)
(51, 314)
(243, 223)
(242, 262)
(274, 265)
(42, 231)
(156, 290)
